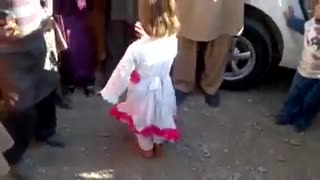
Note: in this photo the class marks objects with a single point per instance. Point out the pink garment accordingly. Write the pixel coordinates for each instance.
(82, 4)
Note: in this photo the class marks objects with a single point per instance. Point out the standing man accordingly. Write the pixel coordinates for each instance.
(123, 16)
(31, 108)
(207, 25)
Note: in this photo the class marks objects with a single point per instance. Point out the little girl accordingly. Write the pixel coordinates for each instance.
(150, 105)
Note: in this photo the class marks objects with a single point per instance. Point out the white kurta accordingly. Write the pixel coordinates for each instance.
(150, 105)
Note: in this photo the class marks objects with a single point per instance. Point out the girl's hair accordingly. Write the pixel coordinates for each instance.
(158, 17)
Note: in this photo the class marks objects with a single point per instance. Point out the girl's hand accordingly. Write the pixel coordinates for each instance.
(140, 32)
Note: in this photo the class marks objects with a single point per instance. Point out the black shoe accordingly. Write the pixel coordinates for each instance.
(63, 102)
(55, 142)
(180, 97)
(89, 90)
(66, 90)
(301, 126)
(283, 121)
(213, 100)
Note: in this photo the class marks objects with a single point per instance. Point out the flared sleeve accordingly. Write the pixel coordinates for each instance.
(120, 77)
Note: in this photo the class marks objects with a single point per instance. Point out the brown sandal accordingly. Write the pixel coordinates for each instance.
(145, 154)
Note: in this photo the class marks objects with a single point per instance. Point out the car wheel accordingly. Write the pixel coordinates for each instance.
(251, 57)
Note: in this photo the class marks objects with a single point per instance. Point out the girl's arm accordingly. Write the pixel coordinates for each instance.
(120, 78)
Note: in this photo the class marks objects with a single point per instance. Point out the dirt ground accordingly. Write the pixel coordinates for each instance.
(237, 142)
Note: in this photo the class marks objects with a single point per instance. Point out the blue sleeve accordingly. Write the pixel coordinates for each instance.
(296, 24)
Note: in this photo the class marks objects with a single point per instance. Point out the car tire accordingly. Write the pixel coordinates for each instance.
(255, 36)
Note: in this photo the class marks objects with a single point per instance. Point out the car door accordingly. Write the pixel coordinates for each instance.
(293, 41)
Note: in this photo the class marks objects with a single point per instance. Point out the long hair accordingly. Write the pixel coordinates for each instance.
(158, 17)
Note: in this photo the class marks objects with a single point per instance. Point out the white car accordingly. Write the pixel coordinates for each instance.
(266, 42)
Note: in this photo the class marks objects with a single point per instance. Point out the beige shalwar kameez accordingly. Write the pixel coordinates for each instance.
(213, 23)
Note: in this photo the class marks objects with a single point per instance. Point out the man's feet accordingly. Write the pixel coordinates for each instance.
(283, 120)
(301, 126)
(54, 141)
(89, 90)
(213, 100)
(63, 102)
(69, 89)
(180, 97)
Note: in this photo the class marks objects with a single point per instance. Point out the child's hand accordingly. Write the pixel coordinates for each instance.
(140, 32)
(289, 13)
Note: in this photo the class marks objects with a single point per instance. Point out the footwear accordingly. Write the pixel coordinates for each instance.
(301, 126)
(145, 154)
(55, 142)
(213, 100)
(180, 97)
(283, 121)
(70, 89)
(89, 90)
(63, 102)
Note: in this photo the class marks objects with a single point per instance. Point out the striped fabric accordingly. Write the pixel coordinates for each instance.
(28, 14)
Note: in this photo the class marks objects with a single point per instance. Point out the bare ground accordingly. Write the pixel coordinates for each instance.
(237, 142)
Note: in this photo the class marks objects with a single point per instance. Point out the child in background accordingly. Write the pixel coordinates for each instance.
(303, 102)
(150, 105)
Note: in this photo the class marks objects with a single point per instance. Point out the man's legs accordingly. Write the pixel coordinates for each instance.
(216, 58)
(184, 68)
(117, 43)
(46, 123)
(20, 125)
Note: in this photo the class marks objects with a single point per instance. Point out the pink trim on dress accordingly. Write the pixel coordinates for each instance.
(170, 135)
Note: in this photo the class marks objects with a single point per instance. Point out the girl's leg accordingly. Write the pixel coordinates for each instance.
(291, 109)
(145, 145)
(310, 108)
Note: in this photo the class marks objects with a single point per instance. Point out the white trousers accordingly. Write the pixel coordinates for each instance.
(147, 143)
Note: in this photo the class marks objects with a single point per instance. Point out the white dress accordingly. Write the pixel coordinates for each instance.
(144, 70)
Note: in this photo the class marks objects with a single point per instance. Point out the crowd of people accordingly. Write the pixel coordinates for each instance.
(50, 47)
